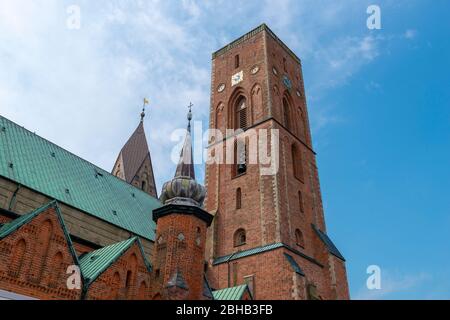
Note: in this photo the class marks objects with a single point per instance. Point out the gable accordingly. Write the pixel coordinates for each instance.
(35, 253)
(52, 207)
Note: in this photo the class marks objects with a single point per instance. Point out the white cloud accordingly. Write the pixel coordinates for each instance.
(83, 88)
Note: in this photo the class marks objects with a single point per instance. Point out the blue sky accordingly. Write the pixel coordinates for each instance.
(378, 102)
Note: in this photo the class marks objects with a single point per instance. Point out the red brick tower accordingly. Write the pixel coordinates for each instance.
(268, 229)
(181, 234)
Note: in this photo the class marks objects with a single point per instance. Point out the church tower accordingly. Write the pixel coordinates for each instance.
(181, 225)
(134, 164)
(268, 229)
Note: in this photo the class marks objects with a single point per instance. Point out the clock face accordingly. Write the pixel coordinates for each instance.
(254, 70)
(236, 78)
(275, 71)
(221, 87)
(287, 82)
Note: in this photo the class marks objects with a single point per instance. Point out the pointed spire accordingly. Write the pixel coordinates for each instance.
(134, 163)
(185, 166)
(183, 189)
(189, 116)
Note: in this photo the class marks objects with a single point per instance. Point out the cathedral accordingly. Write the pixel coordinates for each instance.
(73, 231)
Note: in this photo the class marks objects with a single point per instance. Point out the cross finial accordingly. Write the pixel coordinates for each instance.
(143, 109)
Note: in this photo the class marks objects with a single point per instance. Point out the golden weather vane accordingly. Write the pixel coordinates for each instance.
(146, 102)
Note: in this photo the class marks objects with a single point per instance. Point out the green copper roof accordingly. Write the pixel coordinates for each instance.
(47, 168)
(8, 228)
(93, 264)
(328, 243)
(234, 293)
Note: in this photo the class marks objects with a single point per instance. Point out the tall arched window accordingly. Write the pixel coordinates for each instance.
(300, 202)
(142, 295)
(238, 198)
(55, 276)
(241, 113)
(299, 238)
(302, 132)
(236, 61)
(143, 185)
(297, 162)
(42, 249)
(286, 114)
(240, 237)
(18, 253)
(240, 157)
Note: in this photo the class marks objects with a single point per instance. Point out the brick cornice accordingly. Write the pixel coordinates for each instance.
(182, 209)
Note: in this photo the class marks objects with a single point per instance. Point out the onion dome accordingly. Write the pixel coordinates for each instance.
(183, 188)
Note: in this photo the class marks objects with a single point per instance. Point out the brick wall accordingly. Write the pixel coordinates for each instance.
(126, 279)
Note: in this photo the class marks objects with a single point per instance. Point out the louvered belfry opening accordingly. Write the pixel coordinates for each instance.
(241, 114)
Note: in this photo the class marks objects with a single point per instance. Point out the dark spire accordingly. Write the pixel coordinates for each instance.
(189, 116)
(134, 163)
(183, 189)
(185, 166)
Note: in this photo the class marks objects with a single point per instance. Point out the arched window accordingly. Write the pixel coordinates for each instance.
(115, 286)
(42, 248)
(57, 262)
(239, 238)
(302, 132)
(240, 157)
(18, 253)
(284, 65)
(286, 114)
(300, 202)
(241, 113)
(297, 162)
(143, 185)
(236, 61)
(238, 198)
(142, 295)
(299, 238)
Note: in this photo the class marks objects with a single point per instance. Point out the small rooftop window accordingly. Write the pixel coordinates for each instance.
(98, 173)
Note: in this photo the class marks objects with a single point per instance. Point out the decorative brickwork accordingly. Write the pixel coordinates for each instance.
(277, 208)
